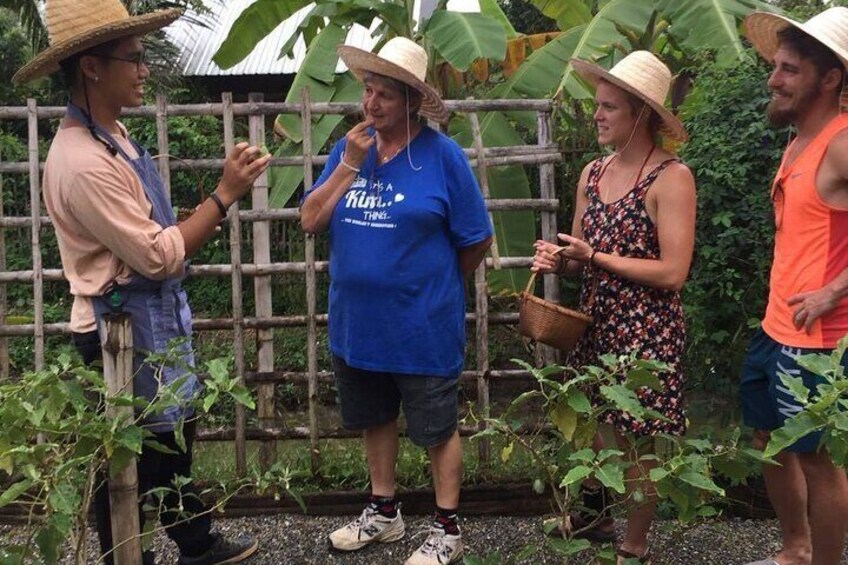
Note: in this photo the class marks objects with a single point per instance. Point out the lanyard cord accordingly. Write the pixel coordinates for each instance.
(90, 123)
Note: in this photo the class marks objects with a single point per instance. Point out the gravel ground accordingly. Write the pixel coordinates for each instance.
(294, 539)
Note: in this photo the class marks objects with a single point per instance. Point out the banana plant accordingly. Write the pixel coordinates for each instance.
(450, 38)
(453, 37)
(676, 30)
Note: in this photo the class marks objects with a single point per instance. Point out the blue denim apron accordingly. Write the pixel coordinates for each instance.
(159, 309)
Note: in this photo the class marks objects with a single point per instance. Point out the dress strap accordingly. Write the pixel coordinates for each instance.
(649, 179)
(594, 177)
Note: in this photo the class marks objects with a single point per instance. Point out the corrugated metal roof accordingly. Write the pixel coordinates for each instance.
(197, 44)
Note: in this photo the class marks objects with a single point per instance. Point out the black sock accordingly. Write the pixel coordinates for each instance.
(446, 519)
(385, 505)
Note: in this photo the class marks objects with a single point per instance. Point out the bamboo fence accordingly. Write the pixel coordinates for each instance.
(261, 373)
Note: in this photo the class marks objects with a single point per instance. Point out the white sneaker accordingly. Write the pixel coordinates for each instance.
(438, 549)
(370, 526)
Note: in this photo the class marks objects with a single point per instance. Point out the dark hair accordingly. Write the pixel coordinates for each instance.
(811, 49)
(415, 96)
(70, 65)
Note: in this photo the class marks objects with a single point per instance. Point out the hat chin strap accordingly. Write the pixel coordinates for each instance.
(408, 133)
(632, 132)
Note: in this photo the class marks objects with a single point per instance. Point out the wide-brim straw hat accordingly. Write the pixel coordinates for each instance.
(401, 59)
(829, 28)
(643, 75)
(74, 26)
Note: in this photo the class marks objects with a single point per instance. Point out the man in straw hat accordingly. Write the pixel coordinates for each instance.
(121, 247)
(407, 223)
(808, 297)
(631, 243)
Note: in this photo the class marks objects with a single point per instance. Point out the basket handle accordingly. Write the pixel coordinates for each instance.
(533, 275)
(590, 300)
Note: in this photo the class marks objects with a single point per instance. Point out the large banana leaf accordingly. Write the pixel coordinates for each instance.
(317, 72)
(252, 26)
(566, 13)
(515, 231)
(600, 35)
(491, 8)
(462, 38)
(699, 25)
(538, 77)
(285, 180)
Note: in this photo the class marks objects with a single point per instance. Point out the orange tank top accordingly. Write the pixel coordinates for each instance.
(810, 247)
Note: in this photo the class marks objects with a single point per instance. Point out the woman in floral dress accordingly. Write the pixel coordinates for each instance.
(631, 240)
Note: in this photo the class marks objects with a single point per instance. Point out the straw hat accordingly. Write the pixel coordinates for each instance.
(76, 25)
(401, 59)
(829, 28)
(642, 74)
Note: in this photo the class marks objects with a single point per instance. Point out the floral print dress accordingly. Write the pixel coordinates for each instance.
(628, 315)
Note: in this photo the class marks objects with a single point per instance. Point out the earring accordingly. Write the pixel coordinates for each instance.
(96, 78)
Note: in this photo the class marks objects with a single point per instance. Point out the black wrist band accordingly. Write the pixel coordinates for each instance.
(217, 200)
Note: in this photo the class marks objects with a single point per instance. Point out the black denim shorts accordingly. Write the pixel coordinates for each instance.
(371, 398)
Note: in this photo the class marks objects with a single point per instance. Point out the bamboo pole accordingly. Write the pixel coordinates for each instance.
(35, 235)
(498, 156)
(547, 190)
(238, 304)
(481, 303)
(300, 377)
(311, 326)
(162, 141)
(262, 289)
(4, 342)
(273, 108)
(302, 433)
(293, 214)
(117, 345)
(483, 169)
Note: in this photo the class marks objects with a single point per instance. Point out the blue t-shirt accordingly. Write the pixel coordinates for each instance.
(397, 300)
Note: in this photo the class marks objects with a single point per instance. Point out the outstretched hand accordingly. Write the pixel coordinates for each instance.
(242, 167)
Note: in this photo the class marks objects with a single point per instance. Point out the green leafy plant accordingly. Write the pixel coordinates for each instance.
(680, 471)
(824, 409)
(58, 442)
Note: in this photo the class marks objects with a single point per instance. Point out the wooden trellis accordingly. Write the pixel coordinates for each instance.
(264, 375)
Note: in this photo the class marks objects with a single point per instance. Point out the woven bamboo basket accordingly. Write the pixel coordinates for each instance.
(550, 323)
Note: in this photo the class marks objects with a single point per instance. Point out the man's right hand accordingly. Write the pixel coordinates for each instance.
(357, 143)
(243, 165)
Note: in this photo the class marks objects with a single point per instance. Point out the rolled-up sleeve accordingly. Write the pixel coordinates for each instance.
(106, 203)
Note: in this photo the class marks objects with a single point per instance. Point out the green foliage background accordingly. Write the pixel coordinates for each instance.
(732, 152)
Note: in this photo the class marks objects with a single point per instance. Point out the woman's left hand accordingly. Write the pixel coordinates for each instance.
(575, 249)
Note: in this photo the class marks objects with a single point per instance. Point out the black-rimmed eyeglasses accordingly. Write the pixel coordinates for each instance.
(139, 59)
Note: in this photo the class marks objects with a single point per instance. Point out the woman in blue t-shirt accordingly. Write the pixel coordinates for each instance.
(407, 223)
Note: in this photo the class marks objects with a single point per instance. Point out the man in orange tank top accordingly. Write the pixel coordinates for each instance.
(808, 297)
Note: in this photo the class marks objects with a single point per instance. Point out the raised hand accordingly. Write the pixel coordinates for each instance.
(357, 143)
(242, 167)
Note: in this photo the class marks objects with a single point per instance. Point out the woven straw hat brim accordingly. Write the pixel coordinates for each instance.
(671, 128)
(761, 29)
(360, 61)
(47, 61)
